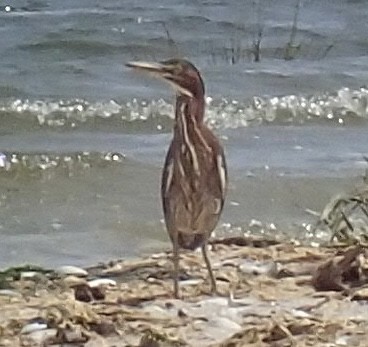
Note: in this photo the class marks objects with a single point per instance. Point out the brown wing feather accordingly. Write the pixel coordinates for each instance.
(192, 205)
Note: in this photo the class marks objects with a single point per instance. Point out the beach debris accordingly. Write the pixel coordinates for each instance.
(136, 307)
(345, 216)
(72, 281)
(71, 270)
(10, 293)
(360, 295)
(283, 332)
(102, 282)
(103, 328)
(26, 272)
(244, 241)
(153, 338)
(38, 337)
(190, 282)
(68, 335)
(34, 326)
(255, 267)
(86, 293)
(336, 273)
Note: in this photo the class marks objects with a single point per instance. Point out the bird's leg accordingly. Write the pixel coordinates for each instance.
(209, 268)
(176, 265)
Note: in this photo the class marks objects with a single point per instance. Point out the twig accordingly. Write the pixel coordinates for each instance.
(257, 39)
(172, 44)
(290, 47)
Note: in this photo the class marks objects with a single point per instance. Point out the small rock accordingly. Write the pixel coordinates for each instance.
(214, 302)
(85, 293)
(191, 282)
(347, 340)
(97, 341)
(31, 327)
(227, 324)
(28, 274)
(182, 313)
(40, 336)
(102, 282)
(300, 314)
(158, 255)
(258, 268)
(114, 268)
(156, 311)
(71, 335)
(232, 302)
(220, 328)
(360, 295)
(9, 292)
(71, 270)
(72, 281)
(103, 328)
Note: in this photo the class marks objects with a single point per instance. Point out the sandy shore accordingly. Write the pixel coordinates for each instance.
(270, 294)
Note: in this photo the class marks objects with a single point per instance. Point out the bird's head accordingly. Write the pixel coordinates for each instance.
(182, 75)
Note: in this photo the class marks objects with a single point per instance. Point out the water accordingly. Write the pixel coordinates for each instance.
(82, 138)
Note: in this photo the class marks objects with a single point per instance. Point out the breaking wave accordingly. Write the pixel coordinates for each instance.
(345, 106)
(48, 165)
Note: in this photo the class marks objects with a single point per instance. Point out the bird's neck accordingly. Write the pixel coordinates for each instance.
(189, 114)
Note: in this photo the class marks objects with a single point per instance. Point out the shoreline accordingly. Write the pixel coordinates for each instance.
(270, 294)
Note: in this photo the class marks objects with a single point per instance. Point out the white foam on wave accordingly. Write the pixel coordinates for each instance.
(344, 105)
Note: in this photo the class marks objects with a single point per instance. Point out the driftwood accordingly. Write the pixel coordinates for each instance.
(332, 274)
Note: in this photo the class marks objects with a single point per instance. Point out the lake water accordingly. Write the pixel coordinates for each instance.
(82, 138)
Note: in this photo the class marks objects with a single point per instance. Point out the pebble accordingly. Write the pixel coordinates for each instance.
(347, 340)
(156, 311)
(232, 302)
(226, 324)
(258, 268)
(360, 295)
(300, 314)
(40, 336)
(158, 255)
(72, 281)
(191, 282)
(9, 292)
(219, 301)
(221, 328)
(86, 293)
(28, 274)
(71, 270)
(102, 282)
(32, 327)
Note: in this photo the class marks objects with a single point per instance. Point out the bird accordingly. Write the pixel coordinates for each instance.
(194, 177)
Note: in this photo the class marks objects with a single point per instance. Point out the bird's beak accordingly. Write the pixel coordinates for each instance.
(156, 69)
(163, 71)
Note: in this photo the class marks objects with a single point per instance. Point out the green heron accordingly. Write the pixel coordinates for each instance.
(194, 177)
